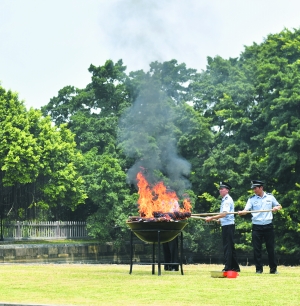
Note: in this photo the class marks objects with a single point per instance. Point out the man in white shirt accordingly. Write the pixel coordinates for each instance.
(228, 228)
(262, 226)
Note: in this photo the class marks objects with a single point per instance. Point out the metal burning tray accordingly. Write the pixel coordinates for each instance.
(148, 231)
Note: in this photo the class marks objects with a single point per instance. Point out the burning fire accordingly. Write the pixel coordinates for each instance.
(158, 201)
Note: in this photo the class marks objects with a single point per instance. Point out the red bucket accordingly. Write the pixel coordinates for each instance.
(231, 274)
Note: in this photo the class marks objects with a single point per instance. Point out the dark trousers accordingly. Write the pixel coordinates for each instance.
(230, 259)
(171, 254)
(260, 234)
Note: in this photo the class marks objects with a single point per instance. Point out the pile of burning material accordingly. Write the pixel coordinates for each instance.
(162, 217)
(159, 204)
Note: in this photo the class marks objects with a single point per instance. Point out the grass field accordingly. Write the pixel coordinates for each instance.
(85, 284)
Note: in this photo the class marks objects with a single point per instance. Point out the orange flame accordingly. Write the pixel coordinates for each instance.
(158, 198)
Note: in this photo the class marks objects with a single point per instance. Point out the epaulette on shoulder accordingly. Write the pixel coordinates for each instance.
(269, 193)
(252, 196)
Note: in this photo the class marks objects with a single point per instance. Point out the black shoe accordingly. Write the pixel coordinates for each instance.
(237, 270)
(259, 271)
(274, 272)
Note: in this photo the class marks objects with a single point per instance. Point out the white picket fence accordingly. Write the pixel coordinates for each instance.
(44, 230)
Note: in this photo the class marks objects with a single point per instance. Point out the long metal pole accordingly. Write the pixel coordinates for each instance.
(153, 258)
(230, 213)
(158, 255)
(131, 253)
(202, 218)
(181, 252)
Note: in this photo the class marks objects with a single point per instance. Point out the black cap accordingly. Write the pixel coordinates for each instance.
(225, 185)
(256, 183)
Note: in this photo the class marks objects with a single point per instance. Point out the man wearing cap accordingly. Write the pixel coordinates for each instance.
(228, 228)
(262, 226)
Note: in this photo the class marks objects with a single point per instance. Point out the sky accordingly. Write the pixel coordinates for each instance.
(46, 45)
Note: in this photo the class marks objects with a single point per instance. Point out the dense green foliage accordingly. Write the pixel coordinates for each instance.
(38, 164)
(253, 103)
(237, 120)
(242, 126)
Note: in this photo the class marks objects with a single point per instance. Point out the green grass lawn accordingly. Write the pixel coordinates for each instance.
(85, 284)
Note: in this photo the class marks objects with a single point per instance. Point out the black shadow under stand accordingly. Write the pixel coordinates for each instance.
(159, 263)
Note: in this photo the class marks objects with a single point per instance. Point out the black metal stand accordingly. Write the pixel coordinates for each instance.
(159, 263)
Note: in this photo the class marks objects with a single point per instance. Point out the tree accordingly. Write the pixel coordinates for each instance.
(253, 104)
(37, 160)
(106, 95)
(174, 79)
(107, 188)
(276, 79)
(162, 121)
(92, 114)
